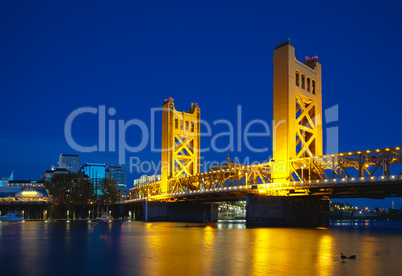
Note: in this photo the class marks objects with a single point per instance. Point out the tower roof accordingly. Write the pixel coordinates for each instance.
(284, 43)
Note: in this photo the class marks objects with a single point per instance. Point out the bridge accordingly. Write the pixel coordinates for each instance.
(292, 189)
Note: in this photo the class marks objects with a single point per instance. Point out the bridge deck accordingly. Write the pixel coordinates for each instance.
(371, 187)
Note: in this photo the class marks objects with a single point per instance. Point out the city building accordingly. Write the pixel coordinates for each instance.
(96, 172)
(48, 174)
(119, 174)
(4, 180)
(146, 179)
(17, 194)
(25, 183)
(70, 162)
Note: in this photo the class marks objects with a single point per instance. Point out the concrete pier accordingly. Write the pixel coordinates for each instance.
(177, 211)
(281, 211)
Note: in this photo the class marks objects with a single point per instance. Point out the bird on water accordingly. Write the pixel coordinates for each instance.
(343, 257)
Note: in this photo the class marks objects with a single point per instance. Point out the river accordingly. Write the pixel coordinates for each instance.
(223, 248)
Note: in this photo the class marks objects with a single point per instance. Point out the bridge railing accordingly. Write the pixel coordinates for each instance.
(331, 182)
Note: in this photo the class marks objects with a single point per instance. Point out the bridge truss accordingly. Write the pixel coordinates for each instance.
(311, 175)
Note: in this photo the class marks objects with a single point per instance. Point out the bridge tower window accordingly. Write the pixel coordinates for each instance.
(313, 87)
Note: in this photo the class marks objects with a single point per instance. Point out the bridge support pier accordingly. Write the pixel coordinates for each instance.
(302, 211)
(152, 211)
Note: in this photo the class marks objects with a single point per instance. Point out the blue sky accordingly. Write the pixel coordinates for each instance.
(56, 57)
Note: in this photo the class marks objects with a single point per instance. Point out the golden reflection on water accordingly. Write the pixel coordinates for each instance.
(325, 261)
(154, 248)
(239, 261)
(263, 246)
(207, 244)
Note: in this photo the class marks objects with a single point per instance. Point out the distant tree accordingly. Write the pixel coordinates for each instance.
(70, 189)
(110, 192)
(58, 187)
(82, 191)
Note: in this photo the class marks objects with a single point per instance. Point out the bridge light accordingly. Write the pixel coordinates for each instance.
(359, 152)
(378, 150)
(350, 153)
(397, 148)
(387, 149)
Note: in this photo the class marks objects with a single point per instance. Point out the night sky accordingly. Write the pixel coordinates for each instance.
(58, 56)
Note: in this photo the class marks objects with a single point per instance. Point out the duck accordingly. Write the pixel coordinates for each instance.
(343, 257)
(352, 257)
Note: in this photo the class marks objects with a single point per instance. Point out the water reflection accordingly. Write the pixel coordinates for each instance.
(325, 260)
(224, 248)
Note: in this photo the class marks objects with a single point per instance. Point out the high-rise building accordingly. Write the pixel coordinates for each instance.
(118, 173)
(96, 172)
(70, 162)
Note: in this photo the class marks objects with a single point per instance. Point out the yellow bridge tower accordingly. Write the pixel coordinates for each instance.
(180, 143)
(297, 115)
